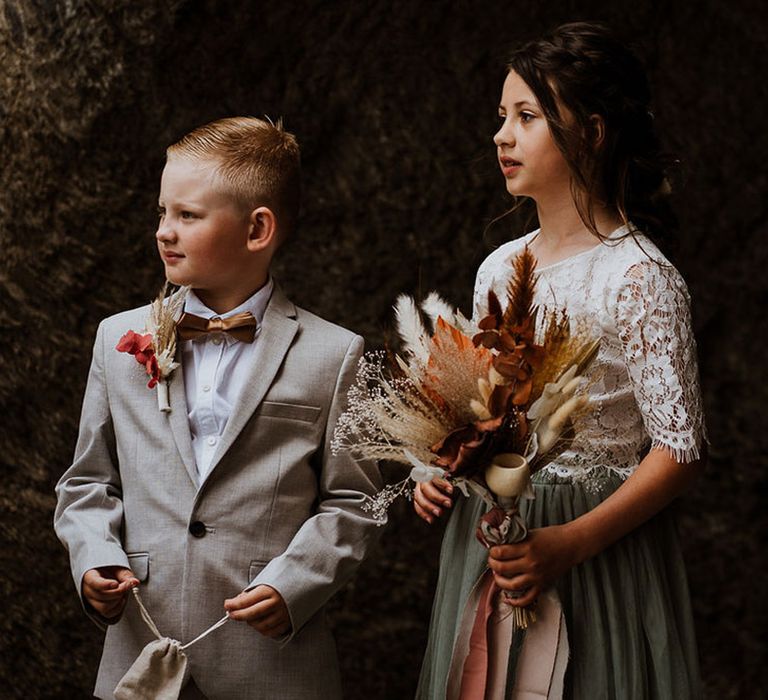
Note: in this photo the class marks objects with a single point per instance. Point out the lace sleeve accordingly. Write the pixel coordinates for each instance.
(654, 324)
(480, 297)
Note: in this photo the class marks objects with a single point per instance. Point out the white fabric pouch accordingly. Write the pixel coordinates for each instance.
(160, 671)
(157, 674)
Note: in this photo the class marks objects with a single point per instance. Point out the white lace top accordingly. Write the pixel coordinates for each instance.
(645, 388)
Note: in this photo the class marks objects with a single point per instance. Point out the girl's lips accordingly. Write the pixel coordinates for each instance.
(171, 257)
(510, 167)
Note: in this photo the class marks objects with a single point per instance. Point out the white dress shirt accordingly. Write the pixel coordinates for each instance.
(215, 368)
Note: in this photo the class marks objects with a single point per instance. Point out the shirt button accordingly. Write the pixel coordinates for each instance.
(206, 388)
(197, 529)
(211, 441)
(216, 340)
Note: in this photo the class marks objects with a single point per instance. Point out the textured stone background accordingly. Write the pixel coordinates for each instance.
(394, 104)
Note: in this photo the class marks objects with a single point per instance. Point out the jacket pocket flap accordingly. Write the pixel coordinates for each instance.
(294, 411)
(139, 563)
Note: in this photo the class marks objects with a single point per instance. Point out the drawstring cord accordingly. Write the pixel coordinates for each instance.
(153, 627)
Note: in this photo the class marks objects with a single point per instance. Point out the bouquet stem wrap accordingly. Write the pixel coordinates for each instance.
(505, 526)
(508, 478)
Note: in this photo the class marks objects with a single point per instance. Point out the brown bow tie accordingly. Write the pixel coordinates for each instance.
(241, 326)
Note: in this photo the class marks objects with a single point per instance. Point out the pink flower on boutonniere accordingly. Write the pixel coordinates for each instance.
(155, 349)
(141, 347)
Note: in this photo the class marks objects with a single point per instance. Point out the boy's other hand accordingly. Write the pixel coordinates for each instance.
(430, 498)
(263, 608)
(106, 589)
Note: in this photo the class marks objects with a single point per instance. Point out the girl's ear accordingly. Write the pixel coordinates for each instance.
(598, 129)
(262, 229)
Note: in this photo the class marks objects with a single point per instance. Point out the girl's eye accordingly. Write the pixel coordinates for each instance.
(160, 212)
(525, 117)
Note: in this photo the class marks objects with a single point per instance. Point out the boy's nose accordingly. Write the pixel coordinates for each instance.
(165, 232)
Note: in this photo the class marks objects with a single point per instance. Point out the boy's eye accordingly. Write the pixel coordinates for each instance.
(187, 215)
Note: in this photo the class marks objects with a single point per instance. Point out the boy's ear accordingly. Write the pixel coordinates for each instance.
(598, 129)
(262, 230)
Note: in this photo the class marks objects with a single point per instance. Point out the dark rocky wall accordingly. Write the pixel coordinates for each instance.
(394, 105)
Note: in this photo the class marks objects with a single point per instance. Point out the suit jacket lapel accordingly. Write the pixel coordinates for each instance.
(179, 419)
(272, 343)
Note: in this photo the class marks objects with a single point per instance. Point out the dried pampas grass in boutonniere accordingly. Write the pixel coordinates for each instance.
(155, 349)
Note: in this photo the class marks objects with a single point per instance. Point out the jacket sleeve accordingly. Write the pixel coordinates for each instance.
(331, 544)
(89, 510)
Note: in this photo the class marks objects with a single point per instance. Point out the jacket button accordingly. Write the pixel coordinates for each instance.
(197, 529)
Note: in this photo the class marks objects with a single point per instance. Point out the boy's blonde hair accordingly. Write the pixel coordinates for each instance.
(258, 163)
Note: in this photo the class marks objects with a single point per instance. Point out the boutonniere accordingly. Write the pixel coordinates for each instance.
(156, 347)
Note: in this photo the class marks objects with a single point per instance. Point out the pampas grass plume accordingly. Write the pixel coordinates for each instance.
(411, 329)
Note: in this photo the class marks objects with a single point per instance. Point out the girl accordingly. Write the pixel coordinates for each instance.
(577, 137)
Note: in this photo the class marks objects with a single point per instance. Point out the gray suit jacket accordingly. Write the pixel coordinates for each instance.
(276, 508)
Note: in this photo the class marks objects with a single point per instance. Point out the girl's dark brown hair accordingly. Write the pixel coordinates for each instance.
(583, 68)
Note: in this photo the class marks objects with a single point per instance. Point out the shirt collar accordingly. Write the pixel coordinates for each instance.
(256, 304)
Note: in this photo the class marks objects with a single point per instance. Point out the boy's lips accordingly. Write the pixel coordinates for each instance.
(170, 255)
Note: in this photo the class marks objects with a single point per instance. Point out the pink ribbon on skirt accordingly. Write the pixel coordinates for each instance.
(481, 654)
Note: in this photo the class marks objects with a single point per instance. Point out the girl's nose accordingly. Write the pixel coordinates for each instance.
(504, 136)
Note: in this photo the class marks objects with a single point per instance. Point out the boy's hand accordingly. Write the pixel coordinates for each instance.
(106, 589)
(263, 608)
(429, 498)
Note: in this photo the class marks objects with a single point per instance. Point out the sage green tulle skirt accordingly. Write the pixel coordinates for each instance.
(627, 610)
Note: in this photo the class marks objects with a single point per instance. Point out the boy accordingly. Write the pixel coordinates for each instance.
(235, 488)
